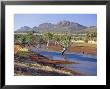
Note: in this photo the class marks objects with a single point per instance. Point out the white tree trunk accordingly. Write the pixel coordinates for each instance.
(64, 50)
(48, 43)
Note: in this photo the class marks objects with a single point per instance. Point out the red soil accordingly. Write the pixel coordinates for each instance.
(41, 58)
(77, 49)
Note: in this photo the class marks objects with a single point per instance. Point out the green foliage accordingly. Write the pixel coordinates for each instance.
(56, 37)
(90, 36)
(48, 35)
(64, 40)
(19, 38)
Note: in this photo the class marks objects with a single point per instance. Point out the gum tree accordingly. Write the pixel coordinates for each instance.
(64, 41)
(48, 37)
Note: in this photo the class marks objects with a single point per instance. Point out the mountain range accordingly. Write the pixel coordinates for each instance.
(60, 27)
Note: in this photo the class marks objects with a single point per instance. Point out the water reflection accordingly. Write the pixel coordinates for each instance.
(87, 63)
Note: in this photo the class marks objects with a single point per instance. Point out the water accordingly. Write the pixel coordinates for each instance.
(87, 63)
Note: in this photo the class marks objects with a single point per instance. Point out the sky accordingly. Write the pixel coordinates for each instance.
(32, 20)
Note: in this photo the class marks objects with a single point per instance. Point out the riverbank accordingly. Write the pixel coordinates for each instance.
(37, 69)
(84, 48)
(27, 63)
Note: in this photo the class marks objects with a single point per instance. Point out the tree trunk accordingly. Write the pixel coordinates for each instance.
(39, 45)
(55, 42)
(47, 43)
(64, 50)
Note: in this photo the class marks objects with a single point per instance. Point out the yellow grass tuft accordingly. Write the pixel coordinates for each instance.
(18, 48)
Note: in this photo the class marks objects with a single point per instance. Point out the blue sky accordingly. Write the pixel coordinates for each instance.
(32, 20)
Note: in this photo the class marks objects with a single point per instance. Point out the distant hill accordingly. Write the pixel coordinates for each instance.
(91, 29)
(24, 29)
(60, 27)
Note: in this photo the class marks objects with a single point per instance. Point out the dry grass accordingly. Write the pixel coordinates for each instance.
(18, 48)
